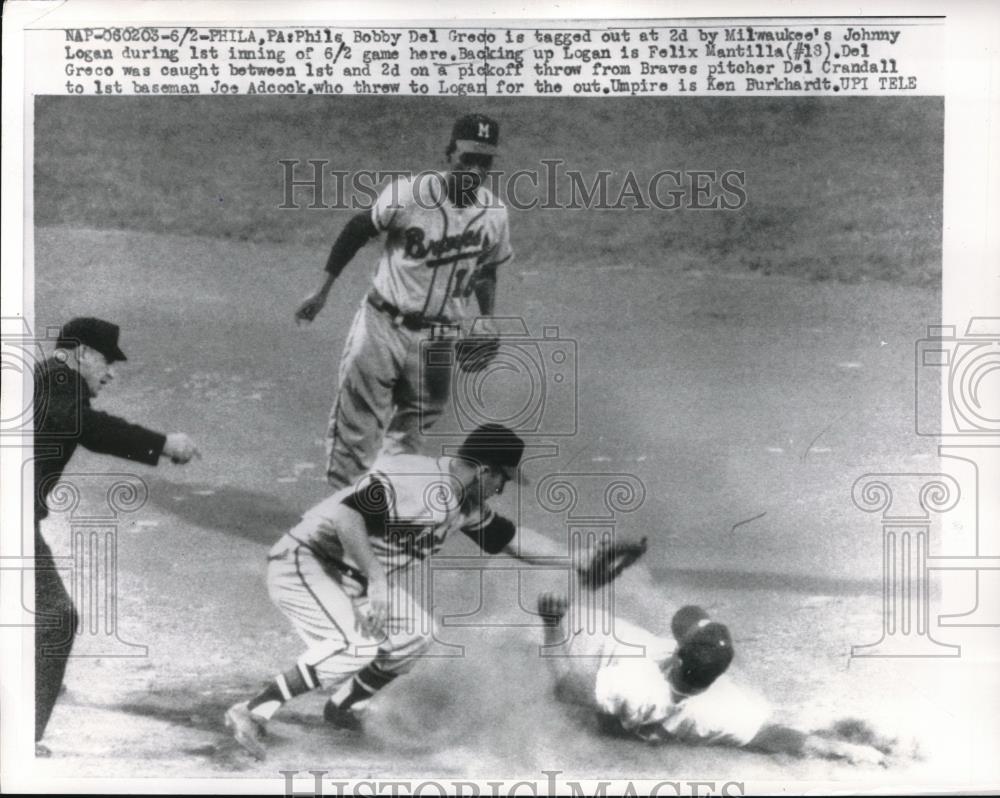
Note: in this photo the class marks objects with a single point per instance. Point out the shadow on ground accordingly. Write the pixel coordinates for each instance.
(257, 517)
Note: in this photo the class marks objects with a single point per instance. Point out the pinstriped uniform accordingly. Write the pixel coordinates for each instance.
(433, 254)
(316, 584)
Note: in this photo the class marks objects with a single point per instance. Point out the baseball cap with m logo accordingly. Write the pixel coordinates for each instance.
(476, 133)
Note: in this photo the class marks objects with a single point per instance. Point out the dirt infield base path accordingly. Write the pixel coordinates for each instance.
(728, 398)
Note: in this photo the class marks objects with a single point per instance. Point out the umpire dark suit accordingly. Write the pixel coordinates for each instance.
(64, 419)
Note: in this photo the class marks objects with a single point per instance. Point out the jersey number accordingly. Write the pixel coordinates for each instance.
(463, 287)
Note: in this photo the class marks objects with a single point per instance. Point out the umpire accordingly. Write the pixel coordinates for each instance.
(82, 364)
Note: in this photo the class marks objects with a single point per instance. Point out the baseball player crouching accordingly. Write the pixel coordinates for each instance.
(659, 690)
(339, 575)
(445, 235)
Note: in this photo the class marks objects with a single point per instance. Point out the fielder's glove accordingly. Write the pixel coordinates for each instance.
(608, 560)
(476, 352)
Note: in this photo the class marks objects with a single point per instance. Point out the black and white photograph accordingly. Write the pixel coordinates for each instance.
(595, 421)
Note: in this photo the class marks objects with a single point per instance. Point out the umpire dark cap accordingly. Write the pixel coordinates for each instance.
(476, 133)
(704, 647)
(495, 445)
(96, 333)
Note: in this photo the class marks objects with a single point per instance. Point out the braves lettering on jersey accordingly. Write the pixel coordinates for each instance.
(434, 250)
(410, 505)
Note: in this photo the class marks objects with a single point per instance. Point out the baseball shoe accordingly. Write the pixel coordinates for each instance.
(552, 607)
(247, 730)
(346, 719)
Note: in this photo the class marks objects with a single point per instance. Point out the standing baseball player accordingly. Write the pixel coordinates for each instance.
(340, 575)
(660, 690)
(445, 234)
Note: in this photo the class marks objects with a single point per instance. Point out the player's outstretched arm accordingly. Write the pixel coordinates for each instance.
(775, 738)
(356, 233)
(600, 566)
(533, 547)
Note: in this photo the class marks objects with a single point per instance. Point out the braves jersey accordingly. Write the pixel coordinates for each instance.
(410, 504)
(434, 251)
(631, 685)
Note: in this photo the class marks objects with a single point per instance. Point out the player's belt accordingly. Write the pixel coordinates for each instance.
(408, 319)
(325, 559)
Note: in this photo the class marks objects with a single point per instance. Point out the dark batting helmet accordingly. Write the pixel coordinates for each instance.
(704, 647)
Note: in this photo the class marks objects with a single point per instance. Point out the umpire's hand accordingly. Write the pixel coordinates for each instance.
(180, 448)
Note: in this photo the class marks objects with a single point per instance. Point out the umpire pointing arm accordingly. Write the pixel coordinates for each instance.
(82, 364)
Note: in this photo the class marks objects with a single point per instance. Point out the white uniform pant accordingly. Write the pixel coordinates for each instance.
(587, 640)
(385, 392)
(325, 609)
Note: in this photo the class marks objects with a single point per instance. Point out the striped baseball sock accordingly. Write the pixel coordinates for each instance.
(363, 686)
(298, 679)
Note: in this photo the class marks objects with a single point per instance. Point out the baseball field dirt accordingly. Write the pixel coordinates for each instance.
(740, 367)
